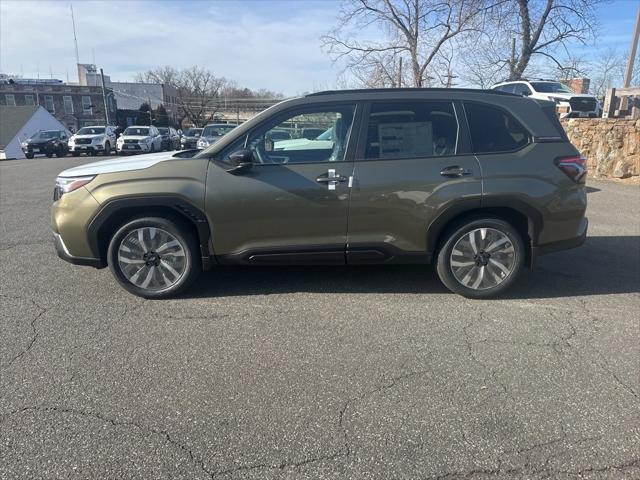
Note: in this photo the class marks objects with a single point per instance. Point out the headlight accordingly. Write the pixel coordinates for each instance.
(558, 99)
(69, 184)
(97, 139)
(24, 144)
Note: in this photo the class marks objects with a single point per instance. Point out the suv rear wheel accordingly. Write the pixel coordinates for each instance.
(481, 258)
(154, 257)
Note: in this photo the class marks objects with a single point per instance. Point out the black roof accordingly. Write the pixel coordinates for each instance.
(407, 89)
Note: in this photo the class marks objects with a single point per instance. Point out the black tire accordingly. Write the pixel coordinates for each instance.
(458, 232)
(187, 242)
(60, 152)
(29, 155)
(107, 148)
(49, 154)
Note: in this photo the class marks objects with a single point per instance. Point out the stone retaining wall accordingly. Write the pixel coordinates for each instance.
(612, 146)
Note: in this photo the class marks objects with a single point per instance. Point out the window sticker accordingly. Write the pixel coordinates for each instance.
(411, 139)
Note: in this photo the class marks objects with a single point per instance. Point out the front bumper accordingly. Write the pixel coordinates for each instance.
(63, 253)
(36, 149)
(133, 147)
(86, 148)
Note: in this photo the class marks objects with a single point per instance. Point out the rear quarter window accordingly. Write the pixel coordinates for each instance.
(494, 130)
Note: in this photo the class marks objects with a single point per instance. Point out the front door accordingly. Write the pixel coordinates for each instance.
(292, 205)
(413, 163)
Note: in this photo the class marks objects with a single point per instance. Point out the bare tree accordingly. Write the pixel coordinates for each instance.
(517, 31)
(606, 71)
(415, 31)
(199, 90)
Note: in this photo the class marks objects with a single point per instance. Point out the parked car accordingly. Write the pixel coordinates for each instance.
(47, 142)
(569, 104)
(190, 138)
(98, 139)
(139, 139)
(170, 138)
(213, 132)
(279, 134)
(479, 183)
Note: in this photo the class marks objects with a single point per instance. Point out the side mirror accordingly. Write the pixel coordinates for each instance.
(241, 161)
(526, 93)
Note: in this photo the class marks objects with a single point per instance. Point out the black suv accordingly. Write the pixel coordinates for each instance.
(47, 142)
(479, 183)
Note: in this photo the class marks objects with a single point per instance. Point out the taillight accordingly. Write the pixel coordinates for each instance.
(574, 167)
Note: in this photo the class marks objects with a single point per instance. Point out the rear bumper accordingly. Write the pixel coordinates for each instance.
(563, 244)
(63, 253)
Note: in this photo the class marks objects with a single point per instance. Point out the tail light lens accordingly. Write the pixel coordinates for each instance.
(574, 167)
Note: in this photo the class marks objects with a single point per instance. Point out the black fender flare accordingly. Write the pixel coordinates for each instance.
(182, 207)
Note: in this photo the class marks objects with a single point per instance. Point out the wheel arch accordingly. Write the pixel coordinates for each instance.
(524, 218)
(117, 212)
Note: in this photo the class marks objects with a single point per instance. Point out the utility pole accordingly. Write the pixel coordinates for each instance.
(104, 99)
(630, 61)
(75, 41)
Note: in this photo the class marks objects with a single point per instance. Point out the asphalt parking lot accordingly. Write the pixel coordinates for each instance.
(342, 373)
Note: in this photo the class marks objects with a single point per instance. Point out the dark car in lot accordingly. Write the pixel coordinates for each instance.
(170, 138)
(46, 142)
(478, 183)
(190, 138)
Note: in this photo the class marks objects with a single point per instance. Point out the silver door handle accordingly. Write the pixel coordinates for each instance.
(454, 171)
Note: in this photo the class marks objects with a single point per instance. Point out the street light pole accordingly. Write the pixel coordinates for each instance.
(104, 99)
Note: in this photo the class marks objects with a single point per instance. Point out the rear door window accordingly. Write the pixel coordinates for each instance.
(493, 129)
(411, 129)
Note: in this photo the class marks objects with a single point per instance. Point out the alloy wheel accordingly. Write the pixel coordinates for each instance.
(483, 258)
(152, 258)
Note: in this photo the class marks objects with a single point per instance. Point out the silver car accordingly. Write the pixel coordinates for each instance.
(213, 132)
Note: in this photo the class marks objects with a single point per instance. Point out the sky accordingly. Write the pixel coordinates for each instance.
(272, 44)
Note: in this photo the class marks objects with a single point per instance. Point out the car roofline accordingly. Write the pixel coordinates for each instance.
(406, 89)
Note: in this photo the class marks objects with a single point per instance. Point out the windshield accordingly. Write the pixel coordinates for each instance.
(136, 131)
(551, 87)
(45, 134)
(193, 132)
(90, 131)
(216, 130)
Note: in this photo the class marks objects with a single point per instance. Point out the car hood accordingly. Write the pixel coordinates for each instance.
(117, 165)
(92, 136)
(569, 95)
(133, 137)
(40, 141)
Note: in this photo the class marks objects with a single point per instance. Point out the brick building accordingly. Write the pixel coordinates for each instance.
(76, 106)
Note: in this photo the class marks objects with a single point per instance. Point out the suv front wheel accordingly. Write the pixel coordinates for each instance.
(154, 257)
(481, 258)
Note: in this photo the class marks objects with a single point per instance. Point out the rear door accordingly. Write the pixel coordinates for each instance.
(413, 162)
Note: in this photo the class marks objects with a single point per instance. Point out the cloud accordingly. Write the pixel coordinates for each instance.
(257, 44)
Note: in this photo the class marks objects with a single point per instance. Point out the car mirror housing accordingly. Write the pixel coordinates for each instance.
(241, 161)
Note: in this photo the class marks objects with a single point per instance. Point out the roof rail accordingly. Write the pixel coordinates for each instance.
(406, 89)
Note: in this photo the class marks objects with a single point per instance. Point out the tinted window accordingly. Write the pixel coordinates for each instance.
(269, 148)
(494, 130)
(506, 88)
(521, 89)
(411, 129)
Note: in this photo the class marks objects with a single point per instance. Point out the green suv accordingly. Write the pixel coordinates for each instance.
(478, 183)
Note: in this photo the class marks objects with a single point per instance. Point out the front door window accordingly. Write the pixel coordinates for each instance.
(312, 136)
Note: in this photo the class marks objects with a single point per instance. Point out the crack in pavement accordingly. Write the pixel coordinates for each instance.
(115, 423)
(35, 334)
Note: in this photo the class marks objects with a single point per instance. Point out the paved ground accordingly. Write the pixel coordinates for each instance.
(318, 372)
